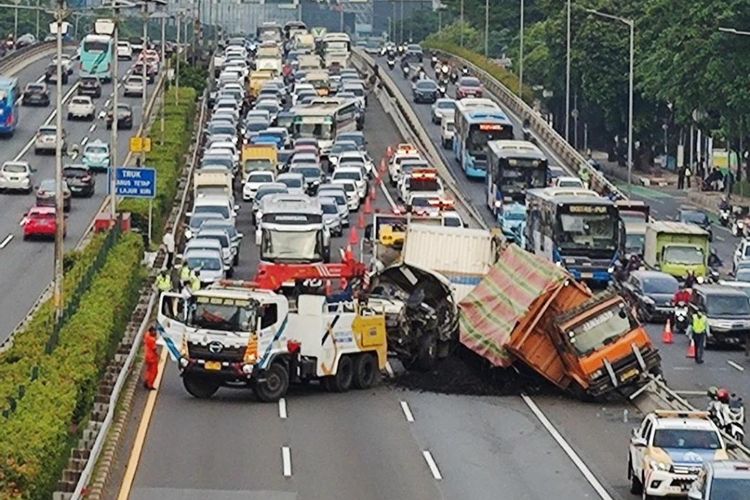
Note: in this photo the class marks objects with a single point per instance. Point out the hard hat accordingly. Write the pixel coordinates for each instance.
(722, 395)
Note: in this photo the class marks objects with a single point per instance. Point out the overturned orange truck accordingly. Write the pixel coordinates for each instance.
(529, 310)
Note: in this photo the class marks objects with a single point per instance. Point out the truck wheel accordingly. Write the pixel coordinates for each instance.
(199, 387)
(342, 381)
(275, 385)
(427, 355)
(365, 371)
(636, 487)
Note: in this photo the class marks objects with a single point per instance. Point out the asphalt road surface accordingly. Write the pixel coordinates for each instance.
(28, 265)
(377, 444)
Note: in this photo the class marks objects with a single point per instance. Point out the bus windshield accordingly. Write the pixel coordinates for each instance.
(481, 133)
(587, 231)
(223, 314)
(600, 330)
(291, 246)
(316, 130)
(518, 180)
(95, 46)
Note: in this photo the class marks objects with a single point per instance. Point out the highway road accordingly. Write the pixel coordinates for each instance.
(28, 265)
(383, 443)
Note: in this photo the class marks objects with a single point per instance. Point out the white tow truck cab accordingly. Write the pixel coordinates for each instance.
(235, 335)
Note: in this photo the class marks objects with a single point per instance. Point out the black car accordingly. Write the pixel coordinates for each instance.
(728, 311)
(50, 74)
(80, 179)
(695, 216)
(124, 117)
(651, 292)
(425, 91)
(36, 94)
(90, 86)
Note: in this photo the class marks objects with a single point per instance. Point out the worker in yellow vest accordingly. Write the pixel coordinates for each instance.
(195, 281)
(163, 282)
(697, 332)
(185, 273)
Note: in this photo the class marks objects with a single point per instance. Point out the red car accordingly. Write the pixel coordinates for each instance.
(40, 222)
(468, 86)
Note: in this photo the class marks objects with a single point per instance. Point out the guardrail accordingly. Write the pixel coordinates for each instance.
(416, 131)
(28, 54)
(539, 127)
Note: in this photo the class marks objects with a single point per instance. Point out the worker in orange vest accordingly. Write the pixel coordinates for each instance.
(151, 358)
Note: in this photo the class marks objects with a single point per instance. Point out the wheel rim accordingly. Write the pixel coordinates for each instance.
(273, 382)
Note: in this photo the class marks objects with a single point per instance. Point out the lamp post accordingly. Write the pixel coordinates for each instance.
(520, 56)
(567, 74)
(630, 23)
(462, 22)
(486, 27)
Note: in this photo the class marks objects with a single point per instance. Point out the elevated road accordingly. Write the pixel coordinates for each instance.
(377, 444)
(27, 265)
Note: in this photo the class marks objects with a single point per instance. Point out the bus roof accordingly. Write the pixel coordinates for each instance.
(291, 204)
(92, 37)
(567, 195)
(477, 102)
(485, 114)
(516, 149)
(7, 82)
(331, 37)
(320, 108)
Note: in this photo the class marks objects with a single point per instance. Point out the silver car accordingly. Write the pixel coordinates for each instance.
(16, 176)
(443, 107)
(331, 216)
(46, 140)
(133, 86)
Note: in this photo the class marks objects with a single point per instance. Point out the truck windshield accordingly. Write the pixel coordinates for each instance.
(587, 231)
(214, 313)
(634, 243)
(683, 439)
(291, 246)
(727, 305)
(599, 330)
(683, 255)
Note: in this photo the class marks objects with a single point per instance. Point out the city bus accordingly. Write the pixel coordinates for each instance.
(576, 229)
(323, 121)
(475, 127)
(291, 230)
(96, 57)
(513, 167)
(336, 49)
(10, 95)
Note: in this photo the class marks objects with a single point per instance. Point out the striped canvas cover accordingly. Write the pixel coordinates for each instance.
(490, 313)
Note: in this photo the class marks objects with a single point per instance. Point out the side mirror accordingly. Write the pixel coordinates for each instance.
(638, 442)
(236, 208)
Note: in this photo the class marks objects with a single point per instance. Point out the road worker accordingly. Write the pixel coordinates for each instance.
(163, 281)
(151, 357)
(697, 332)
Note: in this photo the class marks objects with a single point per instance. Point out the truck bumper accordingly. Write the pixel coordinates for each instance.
(599, 276)
(626, 372)
(661, 483)
(224, 371)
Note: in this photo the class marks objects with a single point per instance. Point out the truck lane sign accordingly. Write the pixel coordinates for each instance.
(135, 182)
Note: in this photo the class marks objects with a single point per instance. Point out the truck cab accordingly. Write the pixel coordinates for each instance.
(676, 248)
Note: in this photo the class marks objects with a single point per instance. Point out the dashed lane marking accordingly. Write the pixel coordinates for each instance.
(6, 241)
(286, 461)
(282, 409)
(92, 127)
(84, 140)
(407, 411)
(432, 465)
(729, 361)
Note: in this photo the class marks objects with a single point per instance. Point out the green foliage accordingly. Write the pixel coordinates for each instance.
(166, 158)
(193, 76)
(451, 35)
(35, 439)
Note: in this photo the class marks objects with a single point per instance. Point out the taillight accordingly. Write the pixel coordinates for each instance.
(86, 178)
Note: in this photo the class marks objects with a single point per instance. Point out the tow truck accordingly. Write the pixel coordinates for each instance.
(423, 181)
(401, 153)
(243, 334)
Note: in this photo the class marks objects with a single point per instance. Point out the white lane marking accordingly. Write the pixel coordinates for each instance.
(40, 79)
(286, 461)
(592, 480)
(720, 238)
(389, 370)
(106, 103)
(84, 140)
(729, 361)
(432, 465)
(47, 122)
(387, 194)
(92, 127)
(282, 408)
(6, 241)
(683, 368)
(407, 411)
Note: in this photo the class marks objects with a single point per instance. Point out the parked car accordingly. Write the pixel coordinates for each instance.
(36, 94)
(45, 194)
(41, 222)
(90, 86)
(81, 107)
(124, 117)
(16, 176)
(80, 179)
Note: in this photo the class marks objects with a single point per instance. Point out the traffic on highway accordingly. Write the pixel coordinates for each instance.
(362, 304)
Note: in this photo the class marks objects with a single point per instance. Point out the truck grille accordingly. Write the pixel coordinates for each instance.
(227, 353)
(683, 469)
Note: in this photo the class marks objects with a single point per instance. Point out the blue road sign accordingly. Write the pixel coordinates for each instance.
(135, 182)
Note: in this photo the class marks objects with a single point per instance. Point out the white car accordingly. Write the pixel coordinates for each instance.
(360, 158)
(351, 191)
(16, 176)
(568, 182)
(254, 181)
(447, 131)
(124, 50)
(66, 63)
(353, 174)
(394, 166)
(82, 107)
(294, 182)
(741, 254)
(444, 107)
(133, 86)
(423, 181)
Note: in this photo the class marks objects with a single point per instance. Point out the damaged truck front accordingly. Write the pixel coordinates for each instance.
(531, 311)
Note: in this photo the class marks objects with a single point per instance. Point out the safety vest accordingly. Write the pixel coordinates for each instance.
(195, 283)
(163, 282)
(585, 174)
(185, 273)
(700, 323)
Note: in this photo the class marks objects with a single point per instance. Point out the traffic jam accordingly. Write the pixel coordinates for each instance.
(295, 270)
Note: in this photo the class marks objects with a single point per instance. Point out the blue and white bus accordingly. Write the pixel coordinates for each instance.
(10, 95)
(576, 229)
(96, 57)
(513, 167)
(475, 127)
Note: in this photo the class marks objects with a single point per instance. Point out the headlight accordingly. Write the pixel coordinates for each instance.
(656, 465)
(498, 203)
(611, 269)
(598, 373)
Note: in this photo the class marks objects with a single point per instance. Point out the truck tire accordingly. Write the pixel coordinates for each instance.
(342, 381)
(427, 354)
(636, 487)
(365, 371)
(275, 385)
(199, 387)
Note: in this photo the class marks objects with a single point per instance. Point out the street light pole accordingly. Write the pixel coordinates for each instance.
(462, 22)
(520, 57)
(177, 71)
(115, 92)
(15, 23)
(37, 18)
(166, 69)
(567, 75)
(486, 27)
(59, 198)
(145, 75)
(401, 27)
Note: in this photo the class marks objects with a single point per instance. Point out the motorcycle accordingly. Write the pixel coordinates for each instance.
(441, 90)
(433, 61)
(405, 69)
(465, 71)
(728, 413)
(391, 63)
(454, 77)
(724, 216)
(681, 318)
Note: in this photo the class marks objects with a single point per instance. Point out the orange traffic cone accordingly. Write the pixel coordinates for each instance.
(353, 237)
(361, 221)
(373, 193)
(666, 336)
(691, 350)
(368, 206)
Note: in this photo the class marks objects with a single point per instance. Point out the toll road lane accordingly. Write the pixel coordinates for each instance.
(28, 264)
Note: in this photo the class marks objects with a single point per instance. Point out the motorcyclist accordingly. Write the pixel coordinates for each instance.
(690, 279)
(465, 70)
(682, 295)
(724, 205)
